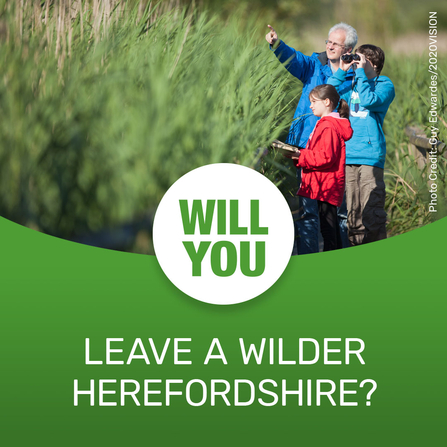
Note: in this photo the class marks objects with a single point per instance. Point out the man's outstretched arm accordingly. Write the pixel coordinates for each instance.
(298, 64)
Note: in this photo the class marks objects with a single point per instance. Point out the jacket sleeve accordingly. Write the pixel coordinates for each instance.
(298, 64)
(322, 153)
(376, 100)
(338, 80)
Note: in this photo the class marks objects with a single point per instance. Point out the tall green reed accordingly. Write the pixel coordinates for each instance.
(103, 106)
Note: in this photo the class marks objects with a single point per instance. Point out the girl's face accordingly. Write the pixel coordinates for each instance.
(320, 107)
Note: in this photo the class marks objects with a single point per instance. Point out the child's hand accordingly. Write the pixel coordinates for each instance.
(345, 66)
(295, 156)
(362, 62)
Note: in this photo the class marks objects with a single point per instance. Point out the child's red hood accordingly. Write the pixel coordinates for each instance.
(342, 125)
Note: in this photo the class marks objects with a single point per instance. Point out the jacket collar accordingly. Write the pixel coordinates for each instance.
(322, 57)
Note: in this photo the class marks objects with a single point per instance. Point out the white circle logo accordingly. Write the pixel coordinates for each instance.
(223, 234)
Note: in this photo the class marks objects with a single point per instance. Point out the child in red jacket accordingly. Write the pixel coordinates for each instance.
(323, 160)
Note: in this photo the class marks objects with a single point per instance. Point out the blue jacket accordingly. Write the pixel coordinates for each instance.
(311, 71)
(368, 100)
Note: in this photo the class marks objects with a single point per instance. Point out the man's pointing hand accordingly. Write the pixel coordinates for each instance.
(271, 37)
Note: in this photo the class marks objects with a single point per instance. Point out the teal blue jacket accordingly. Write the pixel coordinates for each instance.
(368, 101)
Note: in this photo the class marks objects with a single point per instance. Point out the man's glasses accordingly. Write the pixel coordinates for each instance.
(337, 45)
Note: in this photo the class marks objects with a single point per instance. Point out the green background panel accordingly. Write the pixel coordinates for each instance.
(56, 293)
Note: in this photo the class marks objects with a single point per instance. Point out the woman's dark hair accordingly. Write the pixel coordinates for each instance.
(374, 54)
(327, 91)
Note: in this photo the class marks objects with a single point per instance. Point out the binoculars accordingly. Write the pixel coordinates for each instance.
(350, 57)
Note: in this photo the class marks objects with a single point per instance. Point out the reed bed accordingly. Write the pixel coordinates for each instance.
(105, 104)
(407, 184)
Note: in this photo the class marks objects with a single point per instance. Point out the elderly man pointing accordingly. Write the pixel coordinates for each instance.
(312, 71)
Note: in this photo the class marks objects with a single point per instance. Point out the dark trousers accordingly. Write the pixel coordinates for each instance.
(307, 225)
(329, 227)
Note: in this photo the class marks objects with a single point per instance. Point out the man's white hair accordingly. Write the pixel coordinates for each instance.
(351, 34)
